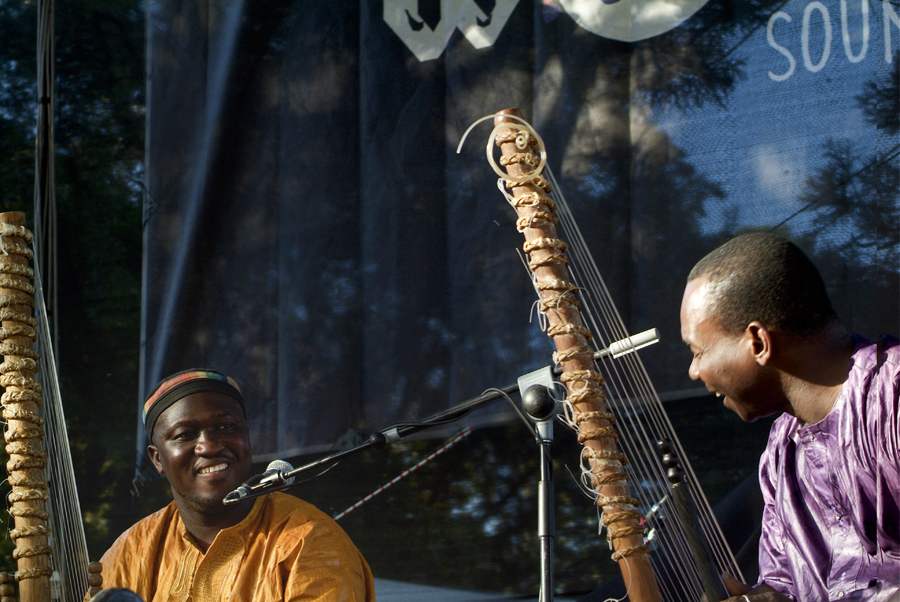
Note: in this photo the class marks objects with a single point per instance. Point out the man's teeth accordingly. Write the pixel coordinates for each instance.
(215, 468)
(719, 394)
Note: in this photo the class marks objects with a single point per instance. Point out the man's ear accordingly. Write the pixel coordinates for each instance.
(760, 339)
(154, 457)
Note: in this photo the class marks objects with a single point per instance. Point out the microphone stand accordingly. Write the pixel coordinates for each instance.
(541, 407)
(546, 511)
(537, 403)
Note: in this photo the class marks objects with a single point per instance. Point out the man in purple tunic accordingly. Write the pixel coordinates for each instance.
(764, 336)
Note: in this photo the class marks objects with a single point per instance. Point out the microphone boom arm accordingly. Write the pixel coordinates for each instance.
(282, 480)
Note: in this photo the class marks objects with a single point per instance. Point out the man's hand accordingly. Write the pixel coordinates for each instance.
(741, 592)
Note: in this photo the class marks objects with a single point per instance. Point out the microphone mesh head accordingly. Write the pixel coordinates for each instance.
(283, 467)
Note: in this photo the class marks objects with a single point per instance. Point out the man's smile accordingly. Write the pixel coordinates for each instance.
(215, 468)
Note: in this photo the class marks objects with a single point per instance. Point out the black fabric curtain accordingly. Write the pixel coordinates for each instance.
(312, 231)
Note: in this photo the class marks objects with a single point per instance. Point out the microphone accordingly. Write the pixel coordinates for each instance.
(272, 475)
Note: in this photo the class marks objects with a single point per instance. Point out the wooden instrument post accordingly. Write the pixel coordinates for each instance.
(21, 399)
(561, 306)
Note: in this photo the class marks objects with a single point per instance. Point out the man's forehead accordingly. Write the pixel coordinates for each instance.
(694, 304)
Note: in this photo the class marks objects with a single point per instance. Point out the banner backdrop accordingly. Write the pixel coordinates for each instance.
(311, 230)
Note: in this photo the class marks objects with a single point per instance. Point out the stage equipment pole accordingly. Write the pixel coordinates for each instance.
(541, 408)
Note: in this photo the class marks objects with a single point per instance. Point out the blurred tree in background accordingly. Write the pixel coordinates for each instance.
(99, 172)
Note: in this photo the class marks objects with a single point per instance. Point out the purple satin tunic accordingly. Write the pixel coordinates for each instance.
(831, 524)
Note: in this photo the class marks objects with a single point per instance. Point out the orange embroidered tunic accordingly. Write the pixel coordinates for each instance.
(285, 549)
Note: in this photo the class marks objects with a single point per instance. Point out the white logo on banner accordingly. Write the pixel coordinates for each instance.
(631, 20)
(480, 29)
(624, 20)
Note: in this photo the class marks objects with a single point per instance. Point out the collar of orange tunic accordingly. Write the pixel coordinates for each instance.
(235, 530)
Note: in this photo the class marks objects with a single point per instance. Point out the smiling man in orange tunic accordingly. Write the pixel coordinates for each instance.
(269, 548)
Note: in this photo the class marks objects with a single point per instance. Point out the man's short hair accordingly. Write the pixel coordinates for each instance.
(767, 278)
